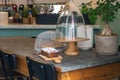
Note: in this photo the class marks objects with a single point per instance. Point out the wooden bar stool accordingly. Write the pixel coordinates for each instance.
(40, 71)
(8, 65)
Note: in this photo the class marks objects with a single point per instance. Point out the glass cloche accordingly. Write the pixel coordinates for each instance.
(44, 41)
(67, 28)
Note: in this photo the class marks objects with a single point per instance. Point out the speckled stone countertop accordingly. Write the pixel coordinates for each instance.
(86, 59)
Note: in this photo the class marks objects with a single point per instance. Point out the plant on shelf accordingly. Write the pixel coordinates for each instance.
(34, 13)
(29, 18)
(25, 16)
(26, 12)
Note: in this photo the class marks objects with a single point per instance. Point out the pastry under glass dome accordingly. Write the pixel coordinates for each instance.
(44, 40)
(67, 28)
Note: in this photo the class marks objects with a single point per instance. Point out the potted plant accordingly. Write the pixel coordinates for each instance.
(34, 14)
(106, 42)
(28, 16)
(25, 15)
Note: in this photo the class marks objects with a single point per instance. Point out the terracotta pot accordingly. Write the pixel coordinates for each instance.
(31, 20)
(106, 45)
(25, 21)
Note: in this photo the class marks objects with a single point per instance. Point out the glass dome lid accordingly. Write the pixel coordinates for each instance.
(67, 28)
(44, 40)
(69, 21)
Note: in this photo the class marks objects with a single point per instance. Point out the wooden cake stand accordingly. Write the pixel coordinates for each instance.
(71, 45)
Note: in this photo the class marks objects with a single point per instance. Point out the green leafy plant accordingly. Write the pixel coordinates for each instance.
(86, 9)
(34, 13)
(107, 10)
(26, 12)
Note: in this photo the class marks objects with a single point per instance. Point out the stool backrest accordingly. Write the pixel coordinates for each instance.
(8, 62)
(41, 71)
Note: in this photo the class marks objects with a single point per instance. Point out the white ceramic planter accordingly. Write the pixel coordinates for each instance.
(85, 45)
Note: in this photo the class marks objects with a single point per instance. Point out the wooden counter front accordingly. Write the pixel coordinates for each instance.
(86, 66)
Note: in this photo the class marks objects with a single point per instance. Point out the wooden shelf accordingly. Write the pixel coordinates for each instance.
(5, 5)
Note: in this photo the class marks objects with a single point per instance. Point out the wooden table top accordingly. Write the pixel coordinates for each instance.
(24, 46)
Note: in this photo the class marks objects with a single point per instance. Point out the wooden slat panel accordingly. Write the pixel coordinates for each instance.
(106, 72)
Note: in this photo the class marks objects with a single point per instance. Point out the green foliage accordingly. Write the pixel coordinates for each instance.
(106, 9)
(26, 12)
(34, 13)
(88, 10)
(85, 7)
